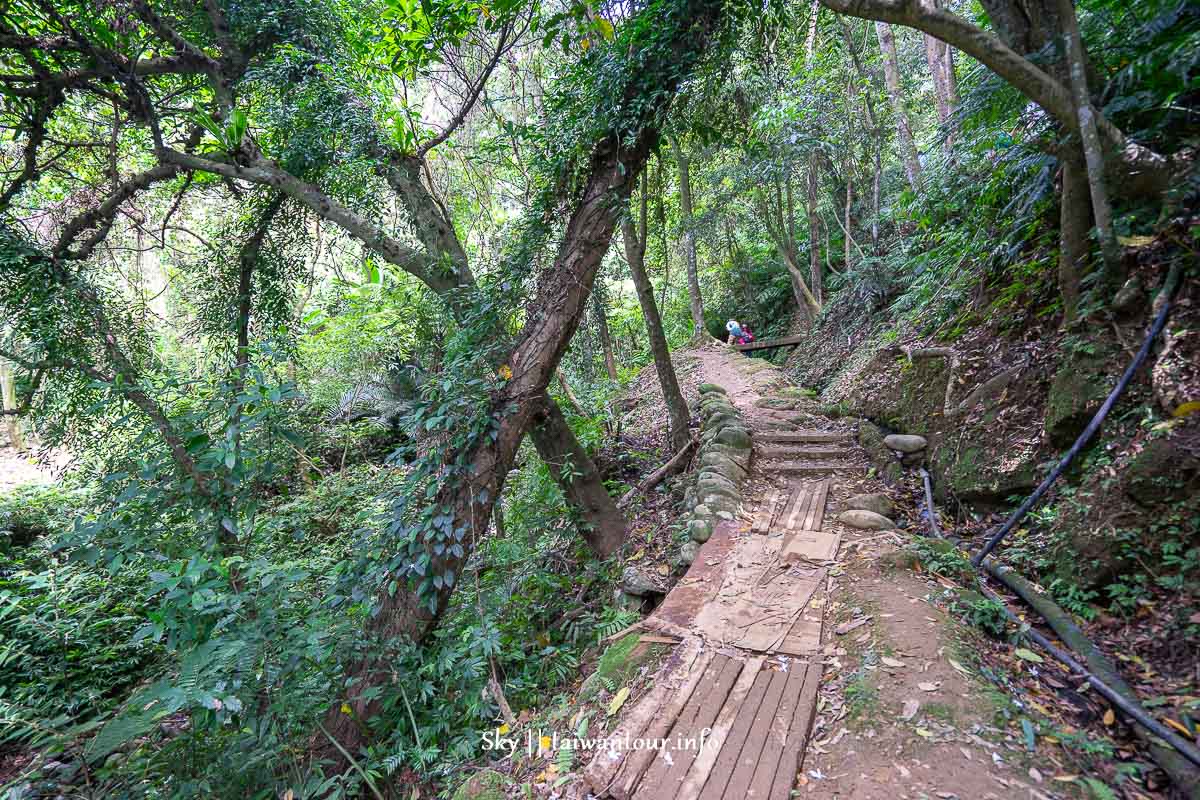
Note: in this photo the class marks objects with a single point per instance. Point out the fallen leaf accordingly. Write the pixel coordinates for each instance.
(1066, 778)
(892, 662)
(618, 700)
(1179, 727)
(910, 709)
(928, 687)
(958, 666)
(1033, 773)
(1028, 655)
(1109, 717)
(924, 733)
(638, 555)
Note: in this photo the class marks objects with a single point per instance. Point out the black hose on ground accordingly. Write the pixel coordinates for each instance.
(1113, 687)
(1159, 320)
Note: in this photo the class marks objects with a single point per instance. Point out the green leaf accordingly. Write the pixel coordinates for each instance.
(1028, 655)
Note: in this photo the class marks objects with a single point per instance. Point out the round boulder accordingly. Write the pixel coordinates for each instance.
(905, 443)
(638, 584)
(877, 503)
(700, 530)
(687, 554)
(865, 520)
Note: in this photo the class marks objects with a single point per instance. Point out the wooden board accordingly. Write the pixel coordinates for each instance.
(813, 546)
(672, 761)
(815, 516)
(792, 757)
(767, 344)
(802, 496)
(707, 758)
(766, 514)
(758, 734)
(666, 709)
(804, 639)
(676, 678)
(814, 467)
(784, 453)
(718, 779)
(776, 735)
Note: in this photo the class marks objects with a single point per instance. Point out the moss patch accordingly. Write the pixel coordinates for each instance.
(618, 664)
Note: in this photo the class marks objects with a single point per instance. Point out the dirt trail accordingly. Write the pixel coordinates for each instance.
(802, 669)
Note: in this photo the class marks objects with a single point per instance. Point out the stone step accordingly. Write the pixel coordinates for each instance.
(796, 452)
(813, 467)
(801, 437)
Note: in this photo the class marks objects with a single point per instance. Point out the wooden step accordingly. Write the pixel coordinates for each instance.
(802, 437)
(813, 467)
(788, 453)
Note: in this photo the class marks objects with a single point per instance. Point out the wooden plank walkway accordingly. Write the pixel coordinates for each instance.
(766, 344)
(736, 702)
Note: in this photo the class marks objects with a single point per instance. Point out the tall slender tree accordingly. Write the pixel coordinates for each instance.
(635, 236)
(891, 78)
(689, 236)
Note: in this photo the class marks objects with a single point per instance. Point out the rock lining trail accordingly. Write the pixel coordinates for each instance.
(739, 703)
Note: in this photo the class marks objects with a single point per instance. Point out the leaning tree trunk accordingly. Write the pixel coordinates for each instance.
(682, 33)
(576, 474)
(437, 233)
(891, 79)
(689, 238)
(635, 251)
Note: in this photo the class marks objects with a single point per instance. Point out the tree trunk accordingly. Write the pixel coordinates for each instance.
(689, 237)
(8, 402)
(940, 58)
(661, 218)
(436, 232)
(635, 250)
(1074, 223)
(576, 474)
(552, 317)
(816, 278)
(891, 79)
(876, 134)
(598, 310)
(1093, 151)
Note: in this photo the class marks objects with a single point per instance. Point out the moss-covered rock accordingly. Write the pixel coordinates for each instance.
(487, 784)
(780, 403)
(734, 437)
(700, 530)
(922, 397)
(1162, 470)
(978, 468)
(710, 388)
(618, 664)
(1081, 382)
